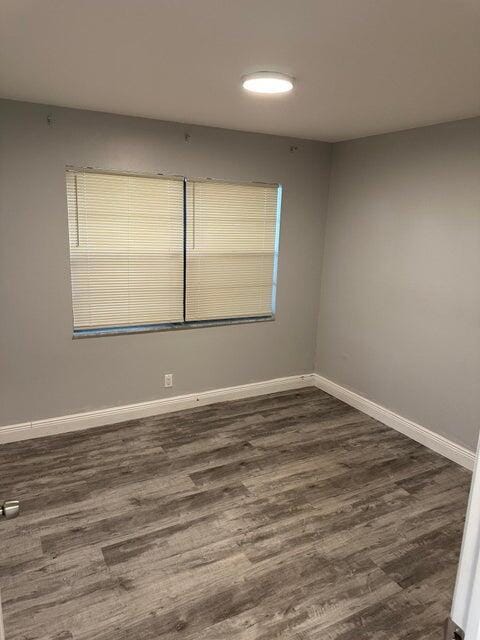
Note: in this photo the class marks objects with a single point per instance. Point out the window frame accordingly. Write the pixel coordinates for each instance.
(185, 324)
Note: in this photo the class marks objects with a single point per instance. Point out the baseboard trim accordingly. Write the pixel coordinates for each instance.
(112, 415)
(451, 450)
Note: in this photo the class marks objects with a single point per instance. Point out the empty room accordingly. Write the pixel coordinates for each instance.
(239, 319)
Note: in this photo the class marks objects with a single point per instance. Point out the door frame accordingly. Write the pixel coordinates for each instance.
(465, 616)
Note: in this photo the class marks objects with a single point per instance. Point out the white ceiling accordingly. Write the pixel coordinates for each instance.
(362, 66)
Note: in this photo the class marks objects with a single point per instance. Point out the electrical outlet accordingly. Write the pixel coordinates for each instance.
(169, 379)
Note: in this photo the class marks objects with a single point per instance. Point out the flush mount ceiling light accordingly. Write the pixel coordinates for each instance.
(267, 82)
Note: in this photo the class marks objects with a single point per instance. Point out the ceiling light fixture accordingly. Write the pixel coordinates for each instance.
(267, 82)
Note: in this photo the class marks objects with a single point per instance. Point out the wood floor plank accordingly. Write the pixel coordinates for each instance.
(290, 516)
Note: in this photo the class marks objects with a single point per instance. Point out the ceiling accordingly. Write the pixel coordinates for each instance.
(362, 66)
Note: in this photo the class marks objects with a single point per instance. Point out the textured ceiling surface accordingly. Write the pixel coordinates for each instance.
(361, 66)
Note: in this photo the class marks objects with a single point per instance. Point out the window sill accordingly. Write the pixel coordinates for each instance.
(171, 326)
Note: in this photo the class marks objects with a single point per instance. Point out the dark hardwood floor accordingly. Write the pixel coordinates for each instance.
(290, 516)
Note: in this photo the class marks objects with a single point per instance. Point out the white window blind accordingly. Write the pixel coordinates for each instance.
(231, 249)
(126, 249)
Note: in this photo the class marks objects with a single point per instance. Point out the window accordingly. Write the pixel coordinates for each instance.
(126, 249)
(152, 252)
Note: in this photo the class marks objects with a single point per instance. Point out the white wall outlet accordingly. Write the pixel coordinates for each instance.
(169, 379)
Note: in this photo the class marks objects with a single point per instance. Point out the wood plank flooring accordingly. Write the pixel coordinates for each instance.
(290, 516)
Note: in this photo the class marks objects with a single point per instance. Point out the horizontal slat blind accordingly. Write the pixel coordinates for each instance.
(231, 230)
(126, 249)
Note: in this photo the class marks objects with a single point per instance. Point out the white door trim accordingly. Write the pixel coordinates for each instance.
(466, 598)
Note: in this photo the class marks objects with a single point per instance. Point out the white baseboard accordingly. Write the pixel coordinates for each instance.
(102, 417)
(434, 441)
(112, 415)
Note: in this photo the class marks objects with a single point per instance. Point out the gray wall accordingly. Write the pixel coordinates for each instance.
(400, 295)
(43, 372)
(399, 319)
